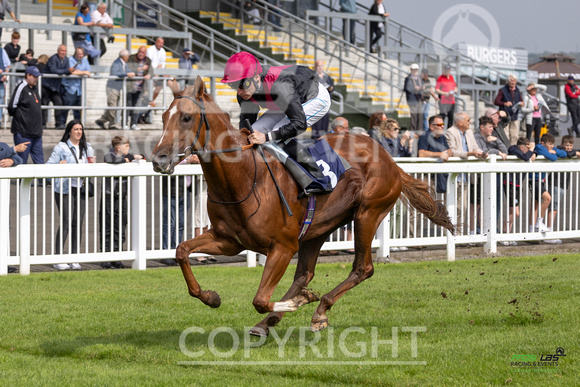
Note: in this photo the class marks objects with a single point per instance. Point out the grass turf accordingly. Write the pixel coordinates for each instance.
(124, 327)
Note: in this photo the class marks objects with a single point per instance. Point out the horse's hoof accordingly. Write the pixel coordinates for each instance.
(260, 331)
(214, 300)
(318, 325)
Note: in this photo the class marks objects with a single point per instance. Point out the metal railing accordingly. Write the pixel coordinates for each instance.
(407, 45)
(216, 46)
(213, 45)
(35, 28)
(489, 211)
(84, 107)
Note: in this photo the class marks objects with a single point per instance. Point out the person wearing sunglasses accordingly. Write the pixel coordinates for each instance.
(293, 96)
(397, 147)
(434, 144)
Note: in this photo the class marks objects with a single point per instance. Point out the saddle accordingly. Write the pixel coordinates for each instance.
(315, 166)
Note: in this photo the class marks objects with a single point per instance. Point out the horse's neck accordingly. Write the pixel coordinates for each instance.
(229, 175)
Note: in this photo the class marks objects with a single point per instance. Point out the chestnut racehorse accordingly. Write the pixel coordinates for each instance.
(247, 213)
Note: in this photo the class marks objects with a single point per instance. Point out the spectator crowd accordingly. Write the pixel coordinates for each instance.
(514, 128)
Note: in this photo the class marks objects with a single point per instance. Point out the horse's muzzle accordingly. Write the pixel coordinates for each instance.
(162, 164)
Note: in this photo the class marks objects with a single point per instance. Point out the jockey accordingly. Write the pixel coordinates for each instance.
(294, 98)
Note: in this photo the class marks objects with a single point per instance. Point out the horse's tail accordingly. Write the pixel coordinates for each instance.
(422, 199)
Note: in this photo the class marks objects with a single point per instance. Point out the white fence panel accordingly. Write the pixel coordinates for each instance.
(495, 202)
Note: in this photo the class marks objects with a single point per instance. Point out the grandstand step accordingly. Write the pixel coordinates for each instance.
(271, 44)
(287, 50)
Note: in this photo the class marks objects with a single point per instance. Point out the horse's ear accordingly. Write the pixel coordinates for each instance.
(199, 86)
(176, 89)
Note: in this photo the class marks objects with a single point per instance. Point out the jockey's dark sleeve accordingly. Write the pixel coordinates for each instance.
(286, 97)
(294, 86)
(249, 111)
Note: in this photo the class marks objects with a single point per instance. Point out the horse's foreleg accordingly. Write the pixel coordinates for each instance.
(365, 227)
(307, 257)
(278, 259)
(208, 243)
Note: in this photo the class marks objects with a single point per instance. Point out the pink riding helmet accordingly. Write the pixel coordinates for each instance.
(241, 66)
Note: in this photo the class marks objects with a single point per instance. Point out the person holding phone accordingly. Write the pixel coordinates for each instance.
(397, 147)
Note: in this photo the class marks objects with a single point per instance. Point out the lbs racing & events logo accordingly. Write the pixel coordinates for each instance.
(537, 363)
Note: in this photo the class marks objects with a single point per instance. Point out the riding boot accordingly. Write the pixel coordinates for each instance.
(308, 162)
(302, 178)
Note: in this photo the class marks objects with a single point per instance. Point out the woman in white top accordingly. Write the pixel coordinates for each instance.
(72, 148)
(532, 110)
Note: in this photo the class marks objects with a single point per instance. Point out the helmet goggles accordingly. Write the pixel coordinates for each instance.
(243, 84)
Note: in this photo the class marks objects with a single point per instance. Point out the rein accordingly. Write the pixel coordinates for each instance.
(202, 121)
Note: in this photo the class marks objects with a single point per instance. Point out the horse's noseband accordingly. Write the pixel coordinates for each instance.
(203, 119)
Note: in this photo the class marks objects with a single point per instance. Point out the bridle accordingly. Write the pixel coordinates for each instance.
(202, 121)
(188, 151)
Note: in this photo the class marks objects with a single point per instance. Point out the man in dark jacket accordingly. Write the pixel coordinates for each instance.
(572, 92)
(51, 87)
(434, 144)
(24, 107)
(140, 65)
(509, 99)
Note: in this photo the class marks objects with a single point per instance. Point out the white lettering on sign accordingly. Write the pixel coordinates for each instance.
(492, 55)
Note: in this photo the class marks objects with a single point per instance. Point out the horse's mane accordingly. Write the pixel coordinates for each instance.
(209, 102)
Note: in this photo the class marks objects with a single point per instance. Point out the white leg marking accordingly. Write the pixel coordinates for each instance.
(284, 306)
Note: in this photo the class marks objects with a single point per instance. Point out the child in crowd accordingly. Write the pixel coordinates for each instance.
(558, 183)
(512, 184)
(13, 48)
(114, 201)
(27, 59)
(544, 148)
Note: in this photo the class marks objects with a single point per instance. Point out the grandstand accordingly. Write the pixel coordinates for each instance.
(361, 95)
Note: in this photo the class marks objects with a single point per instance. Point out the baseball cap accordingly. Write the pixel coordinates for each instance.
(447, 67)
(425, 71)
(571, 77)
(33, 70)
(186, 49)
(414, 66)
(490, 112)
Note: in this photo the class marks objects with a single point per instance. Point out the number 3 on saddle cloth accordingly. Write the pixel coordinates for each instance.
(317, 167)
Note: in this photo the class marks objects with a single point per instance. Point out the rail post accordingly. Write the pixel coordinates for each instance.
(139, 221)
(4, 225)
(251, 258)
(384, 238)
(451, 204)
(25, 226)
(489, 209)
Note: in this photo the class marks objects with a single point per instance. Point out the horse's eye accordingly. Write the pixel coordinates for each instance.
(186, 118)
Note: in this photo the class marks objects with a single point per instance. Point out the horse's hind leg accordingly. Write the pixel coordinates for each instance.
(208, 243)
(365, 227)
(307, 257)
